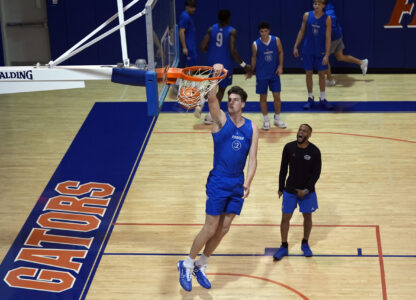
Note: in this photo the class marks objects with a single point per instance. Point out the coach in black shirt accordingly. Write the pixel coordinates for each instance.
(304, 161)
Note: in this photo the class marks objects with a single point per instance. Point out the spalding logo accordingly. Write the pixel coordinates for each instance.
(17, 75)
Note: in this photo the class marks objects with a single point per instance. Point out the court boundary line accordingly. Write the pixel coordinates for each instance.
(376, 227)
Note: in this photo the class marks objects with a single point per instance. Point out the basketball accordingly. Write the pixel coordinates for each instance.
(188, 97)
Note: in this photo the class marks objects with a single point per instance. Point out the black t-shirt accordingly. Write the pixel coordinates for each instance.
(304, 167)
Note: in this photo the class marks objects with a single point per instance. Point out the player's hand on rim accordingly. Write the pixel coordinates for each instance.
(217, 69)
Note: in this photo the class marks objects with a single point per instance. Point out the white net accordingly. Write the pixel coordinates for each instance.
(195, 85)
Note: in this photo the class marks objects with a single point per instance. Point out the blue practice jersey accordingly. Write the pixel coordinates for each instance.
(231, 147)
(336, 28)
(219, 46)
(314, 43)
(185, 21)
(267, 60)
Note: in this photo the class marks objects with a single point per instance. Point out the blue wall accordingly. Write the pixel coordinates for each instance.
(363, 25)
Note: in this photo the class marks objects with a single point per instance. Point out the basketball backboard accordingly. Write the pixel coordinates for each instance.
(162, 40)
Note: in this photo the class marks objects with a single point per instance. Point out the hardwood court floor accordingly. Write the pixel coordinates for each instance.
(365, 196)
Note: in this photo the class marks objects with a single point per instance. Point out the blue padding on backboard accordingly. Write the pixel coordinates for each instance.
(152, 93)
(129, 76)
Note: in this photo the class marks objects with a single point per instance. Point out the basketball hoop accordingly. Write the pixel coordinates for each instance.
(194, 83)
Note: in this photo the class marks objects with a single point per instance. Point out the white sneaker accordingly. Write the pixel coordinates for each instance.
(279, 123)
(331, 82)
(208, 120)
(197, 111)
(266, 125)
(364, 66)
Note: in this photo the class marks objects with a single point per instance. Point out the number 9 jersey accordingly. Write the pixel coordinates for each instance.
(219, 47)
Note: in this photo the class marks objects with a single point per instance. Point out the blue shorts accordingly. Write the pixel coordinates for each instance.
(228, 80)
(263, 84)
(308, 204)
(224, 194)
(310, 62)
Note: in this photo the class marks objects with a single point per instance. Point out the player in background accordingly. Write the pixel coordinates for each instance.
(187, 33)
(220, 43)
(267, 61)
(337, 47)
(316, 29)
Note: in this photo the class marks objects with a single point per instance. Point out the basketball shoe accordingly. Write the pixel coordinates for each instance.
(325, 104)
(201, 277)
(279, 123)
(309, 104)
(266, 125)
(306, 250)
(282, 251)
(185, 276)
(364, 66)
(330, 82)
(208, 120)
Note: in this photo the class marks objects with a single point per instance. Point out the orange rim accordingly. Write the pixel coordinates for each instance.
(174, 73)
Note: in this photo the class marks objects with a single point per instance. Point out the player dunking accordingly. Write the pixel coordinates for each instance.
(235, 139)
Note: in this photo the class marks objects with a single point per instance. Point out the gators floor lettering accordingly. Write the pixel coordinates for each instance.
(59, 247)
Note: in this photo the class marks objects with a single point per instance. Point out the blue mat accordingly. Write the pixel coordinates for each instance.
(57, 251)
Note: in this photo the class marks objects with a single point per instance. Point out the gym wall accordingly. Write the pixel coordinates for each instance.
(364, 27)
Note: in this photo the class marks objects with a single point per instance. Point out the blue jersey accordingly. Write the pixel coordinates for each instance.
(267, 60)
(185, 21)
(231, 147)
(219, 46)
(336, 28)
(315, 39)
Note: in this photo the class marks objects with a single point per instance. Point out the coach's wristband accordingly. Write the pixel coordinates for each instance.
(243, 64)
